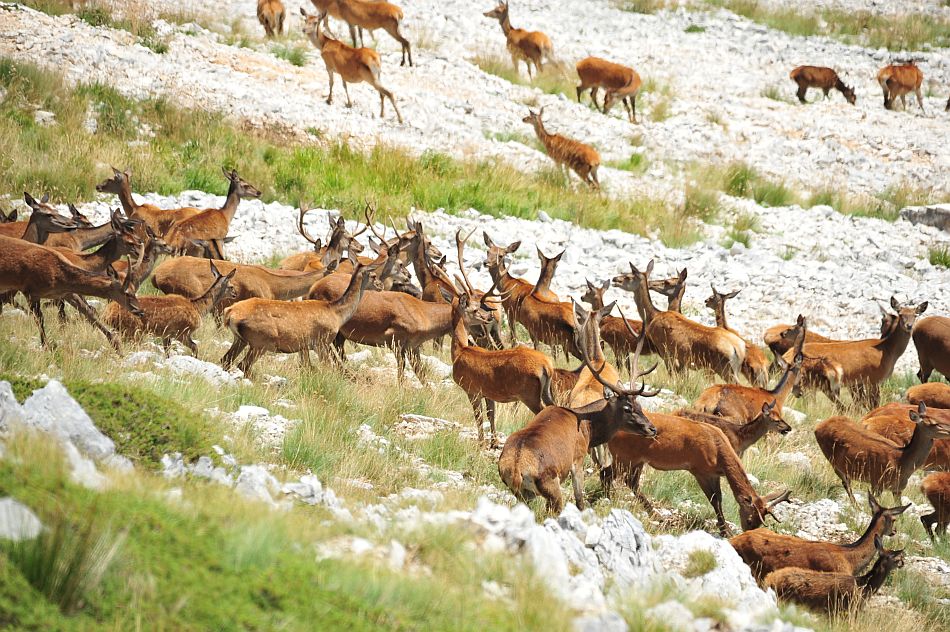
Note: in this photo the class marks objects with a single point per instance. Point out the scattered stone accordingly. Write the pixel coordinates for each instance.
(17, 521)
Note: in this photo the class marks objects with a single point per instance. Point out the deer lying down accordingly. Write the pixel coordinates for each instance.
(936, 487)
(834, 592)
(934, 394)
(766, 551)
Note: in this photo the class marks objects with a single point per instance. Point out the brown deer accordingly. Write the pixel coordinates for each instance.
(553, 445)
(83, 236)
(567, 153)
(780, 338)
(154, 247)
(261, 325)
(856, 453)
(354, 65)
(755, 366)
(160, 221)
(932, 341)
(270, 13)
(618, 82)
(934, 394)
(742, 435)
(211, 225)
(766, 551)
(702, 450)
(892, 421)
(866, 363)
(673, 288)
(834, 592)
(42, 224)
(513, 290)
(550, 322)
(371, 15)
(339, 243)
(682, 342)
(896, 80)
(171, 317)
(936, 487)
(532, 47)
(822, 78)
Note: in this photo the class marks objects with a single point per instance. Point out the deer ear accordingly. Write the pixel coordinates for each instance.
(767, 407)
(650, 266)
(894, 304)
(214, 270)
(230, 275)
(801, 319)
(510, 249)
(487, 239)
(590, 286)
(922, 307)
(872, 501)
(302, 12)
(558, 256)
(30, 200)
(733, 294)
(683, 274)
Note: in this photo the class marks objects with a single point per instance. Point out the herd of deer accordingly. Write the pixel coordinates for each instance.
(534, 48)
(588, 410)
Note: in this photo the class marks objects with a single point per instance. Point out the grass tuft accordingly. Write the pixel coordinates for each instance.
(295, 55)
(556, 78)
(940, 256)
(699, 563)
(694, 28)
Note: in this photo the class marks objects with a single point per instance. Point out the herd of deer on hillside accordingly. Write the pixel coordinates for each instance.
(363, 65)
(322, 298)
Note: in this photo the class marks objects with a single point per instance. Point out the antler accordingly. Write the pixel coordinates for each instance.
(585, 358)
(460, 246)
(369, 212)
(364, 229)
(304, 209)
(633, 365)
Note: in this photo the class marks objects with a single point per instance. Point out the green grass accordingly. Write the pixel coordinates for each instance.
(135, 22)
(636, 163)
(556, 78)
(698, 563)
(694, 28)
(642, 6)
(295, 55)
(776, 93)
(885, 204)
(940, 256)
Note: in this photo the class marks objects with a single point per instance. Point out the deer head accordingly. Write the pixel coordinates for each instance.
(773, 419)
(753, 511)
(221, 288)
(123, 292)
(499, 13)
(116, 183)
(243, 189)
(718, 300)
(907, 316)
(497, 255)
(594, 295)
(888, 515)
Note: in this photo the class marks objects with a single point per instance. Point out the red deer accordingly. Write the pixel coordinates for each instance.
(932, 341)
(892, 421)
(934, 394)
(766, 551)
(856, 453)
(755, 367)
(618, 82)
(354, 65)
(43, 223)
(833, 592)
(532, 47)
(160, 221)
(550, 322)
(82, 235)
(339, 243)
(512, 290)
(780, 338)
(270, 13)
(371, 15)
(897, 80)
(154, 248)
(822, 78)
(567, 153)
(936, 487)
(742, 435)
(554, 444)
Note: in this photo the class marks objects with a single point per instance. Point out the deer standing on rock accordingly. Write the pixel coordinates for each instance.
(896, 80)
(618, 82)
(371, 15)
(822, 78)
(567, 153)
(532, 47)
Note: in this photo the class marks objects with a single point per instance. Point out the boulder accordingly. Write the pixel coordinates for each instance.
(51, 409)
(936, 215)
(17, 521)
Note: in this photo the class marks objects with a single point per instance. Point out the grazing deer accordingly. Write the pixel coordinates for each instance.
(864, 364)
(532, 47)
(270, 13)
(932, 341)
(354, 65)
(892, 421)
(160, 221)
(702, 450)
(682, 342)
(834, 592)
(822, 78)
(261, 325)
(936, 487)
(618, 82)
(212, 224)
(742, 435)
(766, 551)
(171, 317)
(755, 366)
(856, 453)
(371, 15)
(553, 445)
(934, 394)
(567, 153)
(896, 80)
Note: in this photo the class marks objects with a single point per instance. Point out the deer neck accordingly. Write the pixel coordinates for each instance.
(720, 317)
(893, 345)
(459, 334)
(541, 133)
(749, 433)
(598, 428)
(91, 237)
(544, 279)
(125, 198)
(505, 23)
(231, 202)
(645, 305)
(33, 234)
(207, 300)
(872, 581)
(287, 287)
(736, 476)
(674, 302)
(348, 303)
(916, 451)
(784, 386)
(860, 552)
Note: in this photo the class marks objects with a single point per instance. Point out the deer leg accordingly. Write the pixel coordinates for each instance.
(236, 348)
(415, 360)
(346, 91)
(406, 48)
(339, 343)
(593, 97)
(330, 98)
(873, 396)
(476, 401)
(186, 340)
(490, 405)
(633, 108)
(37, 310)
(577, 482)
(62, 310)
(928, 521)
(550, 488)
(252, 356)
(353, 35)
(846, 482)
(89, 314)
(920, 99)
(801, 92)
(626, 106)
(713, 491)
(925, 369)
(579, 90)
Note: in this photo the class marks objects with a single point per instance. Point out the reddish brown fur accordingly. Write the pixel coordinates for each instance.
(822, 78)
(897, 80)
(160, 221)
(618, 82)
(755, 366)
(372, 15)
(936, 487)
(934, 394)
(530, 46)
(779, 338)
(932, 341)
(566, 152)
(742, 435)
(892, 421)
(270, 13)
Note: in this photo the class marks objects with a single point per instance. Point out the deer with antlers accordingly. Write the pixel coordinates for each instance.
(567, 153)
(339, 243)
(532, 47)
(755, 366)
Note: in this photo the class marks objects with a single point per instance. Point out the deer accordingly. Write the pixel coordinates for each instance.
(743, 435)
(699, 448)
(550, 322)
(755, 366)
(834, 592)
(892, 422)
(82, 235)
(856, 453)
(936, 487)
(554, 443)
(896, 80)
(765, 551)
(618, 82)
(532, 47)
(270, 13)
(160, 221)
(8, 218)
(154, 247)
(42, 224)
(864, 364)
(372, 15)
(339, 242)
(934, 394)
(354, 65)
(512, 289)
(673, 288)
(212, 224)
(567, 153)
(780, 338)
(171, 317)
(261, 325)
(825, 79)
(932, 340)
(682, 342)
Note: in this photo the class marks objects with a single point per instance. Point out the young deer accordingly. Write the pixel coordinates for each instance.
(532, 47)
(834, 592)
(766, 551)
(822, 78)
(856, 453)
(567, 153)
(262, 325)
(936, 487)
(354, 65)
(371, 15)
(755, 366)
(160, 221)
(932, 341)
(211, 225)
(270, 13)
(553, 445)
(154, 247)
(742, 435)
(896, 80)
(172, 317)
(618, 82)
(934, 394)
